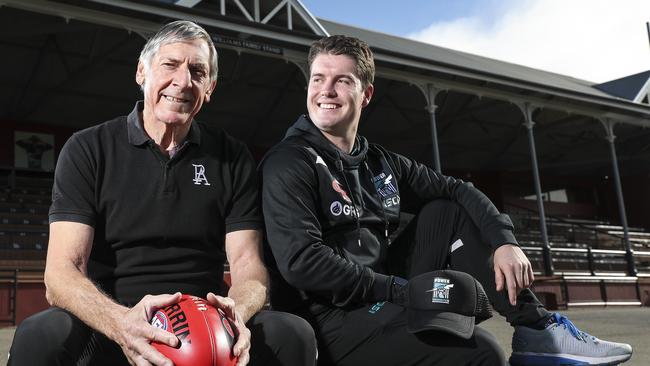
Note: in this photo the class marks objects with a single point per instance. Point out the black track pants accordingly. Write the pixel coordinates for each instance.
(56, 337)
(427, 243)
(376, 335)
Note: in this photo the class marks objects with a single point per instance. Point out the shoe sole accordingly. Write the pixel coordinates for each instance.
(555, 360)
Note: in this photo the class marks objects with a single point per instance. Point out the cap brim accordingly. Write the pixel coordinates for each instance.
(456, 324)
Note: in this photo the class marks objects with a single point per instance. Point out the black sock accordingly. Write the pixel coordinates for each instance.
(543, 322)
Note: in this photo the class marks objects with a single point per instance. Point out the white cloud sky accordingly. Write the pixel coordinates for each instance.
(595, 40)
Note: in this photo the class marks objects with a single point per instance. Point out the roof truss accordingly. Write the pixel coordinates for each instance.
(253, 11)
(644, 94)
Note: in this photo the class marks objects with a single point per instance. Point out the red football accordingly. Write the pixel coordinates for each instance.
(206, 334)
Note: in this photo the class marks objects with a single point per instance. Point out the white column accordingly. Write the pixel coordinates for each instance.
(527, 109)
(629, 254)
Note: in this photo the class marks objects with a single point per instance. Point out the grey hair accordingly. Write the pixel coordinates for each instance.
(179, 31)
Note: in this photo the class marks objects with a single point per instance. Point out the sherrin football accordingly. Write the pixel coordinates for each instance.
(206, 335)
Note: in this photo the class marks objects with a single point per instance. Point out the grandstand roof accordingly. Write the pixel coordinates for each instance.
(73, 62)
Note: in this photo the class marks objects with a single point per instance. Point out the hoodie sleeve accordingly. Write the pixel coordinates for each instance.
(290, 204)
(425, 184)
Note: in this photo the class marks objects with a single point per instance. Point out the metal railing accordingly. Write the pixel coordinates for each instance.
(11, 278)
(581, 247)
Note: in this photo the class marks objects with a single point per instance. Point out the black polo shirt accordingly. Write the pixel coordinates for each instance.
(160, 223)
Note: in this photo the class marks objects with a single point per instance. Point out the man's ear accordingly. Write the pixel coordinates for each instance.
(139, 74)
(367, 95)
(208, 93)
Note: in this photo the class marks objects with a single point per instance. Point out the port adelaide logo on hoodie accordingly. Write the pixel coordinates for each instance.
(386, 189)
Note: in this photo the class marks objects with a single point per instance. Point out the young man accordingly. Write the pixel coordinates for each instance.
(149, 205)
(331, 203)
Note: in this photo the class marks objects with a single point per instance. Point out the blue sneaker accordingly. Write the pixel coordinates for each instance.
(561, 343)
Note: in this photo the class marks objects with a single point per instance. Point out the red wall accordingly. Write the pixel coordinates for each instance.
(30, 300)
(502, 187)
(487, 182)
(636, 194)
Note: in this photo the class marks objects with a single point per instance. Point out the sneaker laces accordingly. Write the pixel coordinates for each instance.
(577, 333)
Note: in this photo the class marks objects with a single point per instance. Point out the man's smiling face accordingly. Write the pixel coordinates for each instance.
(335, 95)
(177, 81)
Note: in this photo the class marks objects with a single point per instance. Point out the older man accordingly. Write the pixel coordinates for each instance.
(149, 205)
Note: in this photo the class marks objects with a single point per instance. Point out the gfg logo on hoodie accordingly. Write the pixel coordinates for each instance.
(337, 208)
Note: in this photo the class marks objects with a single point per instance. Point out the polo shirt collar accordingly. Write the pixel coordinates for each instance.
(137, 135)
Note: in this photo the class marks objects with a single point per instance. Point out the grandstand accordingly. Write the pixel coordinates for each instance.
(566, 158)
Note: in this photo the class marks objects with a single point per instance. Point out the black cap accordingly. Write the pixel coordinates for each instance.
(448, 301)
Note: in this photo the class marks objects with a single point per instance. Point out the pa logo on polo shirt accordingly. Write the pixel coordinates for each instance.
(199, 175)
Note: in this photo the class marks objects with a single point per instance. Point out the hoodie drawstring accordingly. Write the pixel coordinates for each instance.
(381, 203)
(339, 167)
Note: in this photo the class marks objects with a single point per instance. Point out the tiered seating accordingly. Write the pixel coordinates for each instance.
(581, 247)
(24, 202)
(589, 261)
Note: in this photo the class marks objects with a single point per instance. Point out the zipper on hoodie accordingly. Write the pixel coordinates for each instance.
(381, 202)
(339, 168)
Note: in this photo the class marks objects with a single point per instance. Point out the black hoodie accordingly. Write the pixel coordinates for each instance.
(329, 214)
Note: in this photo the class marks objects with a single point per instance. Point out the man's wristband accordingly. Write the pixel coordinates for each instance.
(398, 290)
